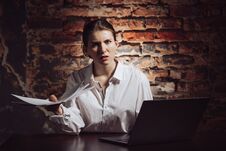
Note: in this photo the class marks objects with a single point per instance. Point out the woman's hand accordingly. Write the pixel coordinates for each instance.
(54, 108)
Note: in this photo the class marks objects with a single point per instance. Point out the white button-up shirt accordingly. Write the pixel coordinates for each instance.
(96, 111)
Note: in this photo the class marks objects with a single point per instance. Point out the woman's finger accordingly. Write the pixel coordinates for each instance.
(53, 98)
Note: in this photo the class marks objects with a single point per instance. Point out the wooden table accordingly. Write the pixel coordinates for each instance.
(89, 142)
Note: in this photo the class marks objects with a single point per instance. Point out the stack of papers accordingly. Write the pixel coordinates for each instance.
(46, 102)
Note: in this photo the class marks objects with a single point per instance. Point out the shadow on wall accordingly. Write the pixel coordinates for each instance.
(16, 117)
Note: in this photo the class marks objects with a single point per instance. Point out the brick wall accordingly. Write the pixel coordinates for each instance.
(180, 46)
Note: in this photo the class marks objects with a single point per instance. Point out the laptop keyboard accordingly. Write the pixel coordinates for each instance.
(123, 138)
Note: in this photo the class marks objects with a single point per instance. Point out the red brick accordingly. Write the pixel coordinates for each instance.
(145, 62)
(201, 88)
(77, 2)
(103, 11)
(185, 11)
(212, 10)
(140, 1)
(138, 36)
(72, 63)
(170, 36)
(152, 23)
(39, 36)
(175, 74)
(127, 24)
(195, 25)
(37, 11)
(39, 8)
(201, 59)
(139, 61)
(91, 2)
(69, 50)
(154, 73)
(128, 49)
(166, 47)
(193, 48)
(163, 48)
(150, 11)
(197, 45)
(119, 36)
(164, 79)
(184, 86)
(76, 11)
(156, 91)
(163, 23)
(44, 22)
(196, 74)
(178, 59)
(205, 24)
(129, 59)
(195, 36)
(47, 2)
(157, 62)
(170, 23)
(109, 1)
(97, 2)
(148, 48)
(180, 2)
(165, 88)
(61, 37)
(215, 2)
(147, 73)
(74, 25)
(47, 49)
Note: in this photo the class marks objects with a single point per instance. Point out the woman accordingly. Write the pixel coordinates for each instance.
(118, 90)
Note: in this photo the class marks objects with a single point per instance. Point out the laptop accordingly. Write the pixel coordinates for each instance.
(163, 121)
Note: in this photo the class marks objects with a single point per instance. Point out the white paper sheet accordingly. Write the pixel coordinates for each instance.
(46, 102)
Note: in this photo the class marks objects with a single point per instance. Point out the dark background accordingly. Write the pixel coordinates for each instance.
(180, 46)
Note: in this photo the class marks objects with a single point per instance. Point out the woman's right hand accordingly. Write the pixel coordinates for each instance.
(54, 108)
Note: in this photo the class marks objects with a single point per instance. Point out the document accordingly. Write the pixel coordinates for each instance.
(46, 102)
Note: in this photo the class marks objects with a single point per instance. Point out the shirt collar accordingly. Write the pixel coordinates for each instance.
(117, 76)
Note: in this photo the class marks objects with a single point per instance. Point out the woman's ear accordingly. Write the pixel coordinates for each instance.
(84, 50)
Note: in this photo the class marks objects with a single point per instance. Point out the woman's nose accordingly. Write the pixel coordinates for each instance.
(102, 48)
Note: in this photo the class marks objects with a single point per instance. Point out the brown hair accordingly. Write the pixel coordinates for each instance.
(99, 24)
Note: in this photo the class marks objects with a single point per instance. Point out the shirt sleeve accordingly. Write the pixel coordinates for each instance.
(144, 91)
(70, 121)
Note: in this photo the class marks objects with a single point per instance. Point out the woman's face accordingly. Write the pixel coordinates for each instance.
(102, 47)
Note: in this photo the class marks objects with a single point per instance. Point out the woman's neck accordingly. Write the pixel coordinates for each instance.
(104, 70)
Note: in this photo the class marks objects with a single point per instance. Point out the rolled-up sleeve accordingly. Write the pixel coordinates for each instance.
(70, 121)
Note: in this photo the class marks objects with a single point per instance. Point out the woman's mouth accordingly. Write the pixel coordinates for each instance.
(103, 58)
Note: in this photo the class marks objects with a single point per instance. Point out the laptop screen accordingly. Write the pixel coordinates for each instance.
(165, 121)
(168, 120)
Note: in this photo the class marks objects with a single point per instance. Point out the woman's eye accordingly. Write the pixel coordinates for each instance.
(94, 45)
(108, 41)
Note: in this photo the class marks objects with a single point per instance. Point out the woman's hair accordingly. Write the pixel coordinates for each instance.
(95, 25)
